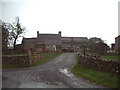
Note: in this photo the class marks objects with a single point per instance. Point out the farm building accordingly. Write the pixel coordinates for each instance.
(53, 42)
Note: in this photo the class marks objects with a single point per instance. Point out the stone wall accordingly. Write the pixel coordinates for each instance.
(98, 64)
(30, 58)
(15, 59)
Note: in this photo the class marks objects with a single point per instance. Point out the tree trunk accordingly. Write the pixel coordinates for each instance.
(15, 42)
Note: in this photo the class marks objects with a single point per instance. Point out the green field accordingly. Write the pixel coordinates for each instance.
(108, 57)
(47, 56)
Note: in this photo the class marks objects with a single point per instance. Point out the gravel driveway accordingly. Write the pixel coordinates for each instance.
(53, 74)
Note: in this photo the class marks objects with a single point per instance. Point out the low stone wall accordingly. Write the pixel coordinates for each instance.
(98, 64)
(30, 58)
(15, 59)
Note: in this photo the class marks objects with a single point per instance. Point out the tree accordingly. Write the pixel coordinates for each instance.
(5, 36)
(16, 31)
(101, 48)
(96, 40)
(92, 43)
(97, 45)
(84, 45)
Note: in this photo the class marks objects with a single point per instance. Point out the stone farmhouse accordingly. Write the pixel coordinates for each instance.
(72, 43)
(53, 42)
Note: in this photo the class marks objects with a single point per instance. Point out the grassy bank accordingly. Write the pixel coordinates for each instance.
(108, 57)
(47, 56)
(102, 78)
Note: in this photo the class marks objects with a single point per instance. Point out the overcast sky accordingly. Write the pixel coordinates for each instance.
(75, 18)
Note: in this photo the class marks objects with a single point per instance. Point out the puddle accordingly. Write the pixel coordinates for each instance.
(66, 72)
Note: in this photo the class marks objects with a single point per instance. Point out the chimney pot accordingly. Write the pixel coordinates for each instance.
(37, 33)
(60, 33)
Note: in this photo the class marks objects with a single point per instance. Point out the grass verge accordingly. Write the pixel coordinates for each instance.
(103, 78)
(107, 57)
(48, 56)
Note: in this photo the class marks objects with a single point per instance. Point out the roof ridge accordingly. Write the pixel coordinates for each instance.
(48, 34)
(29, 38)
(74, 37)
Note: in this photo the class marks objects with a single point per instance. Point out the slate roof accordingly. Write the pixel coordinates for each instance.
(29, 40)
(74, 39)
(49, 39)
(54, 39)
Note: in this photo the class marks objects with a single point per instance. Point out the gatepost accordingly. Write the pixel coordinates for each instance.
(30, 55)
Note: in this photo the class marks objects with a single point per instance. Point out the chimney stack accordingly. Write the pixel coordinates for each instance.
(59, 33)
(37, 33)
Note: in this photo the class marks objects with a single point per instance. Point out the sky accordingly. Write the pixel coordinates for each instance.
(75, 18)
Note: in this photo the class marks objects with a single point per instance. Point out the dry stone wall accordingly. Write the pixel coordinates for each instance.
(30, 58)
(98, 64)
(15, 59)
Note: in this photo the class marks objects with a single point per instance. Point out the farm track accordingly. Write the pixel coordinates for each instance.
(53, 74)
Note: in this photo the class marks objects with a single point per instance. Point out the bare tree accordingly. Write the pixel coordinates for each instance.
(16, 31)
(5, 35)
